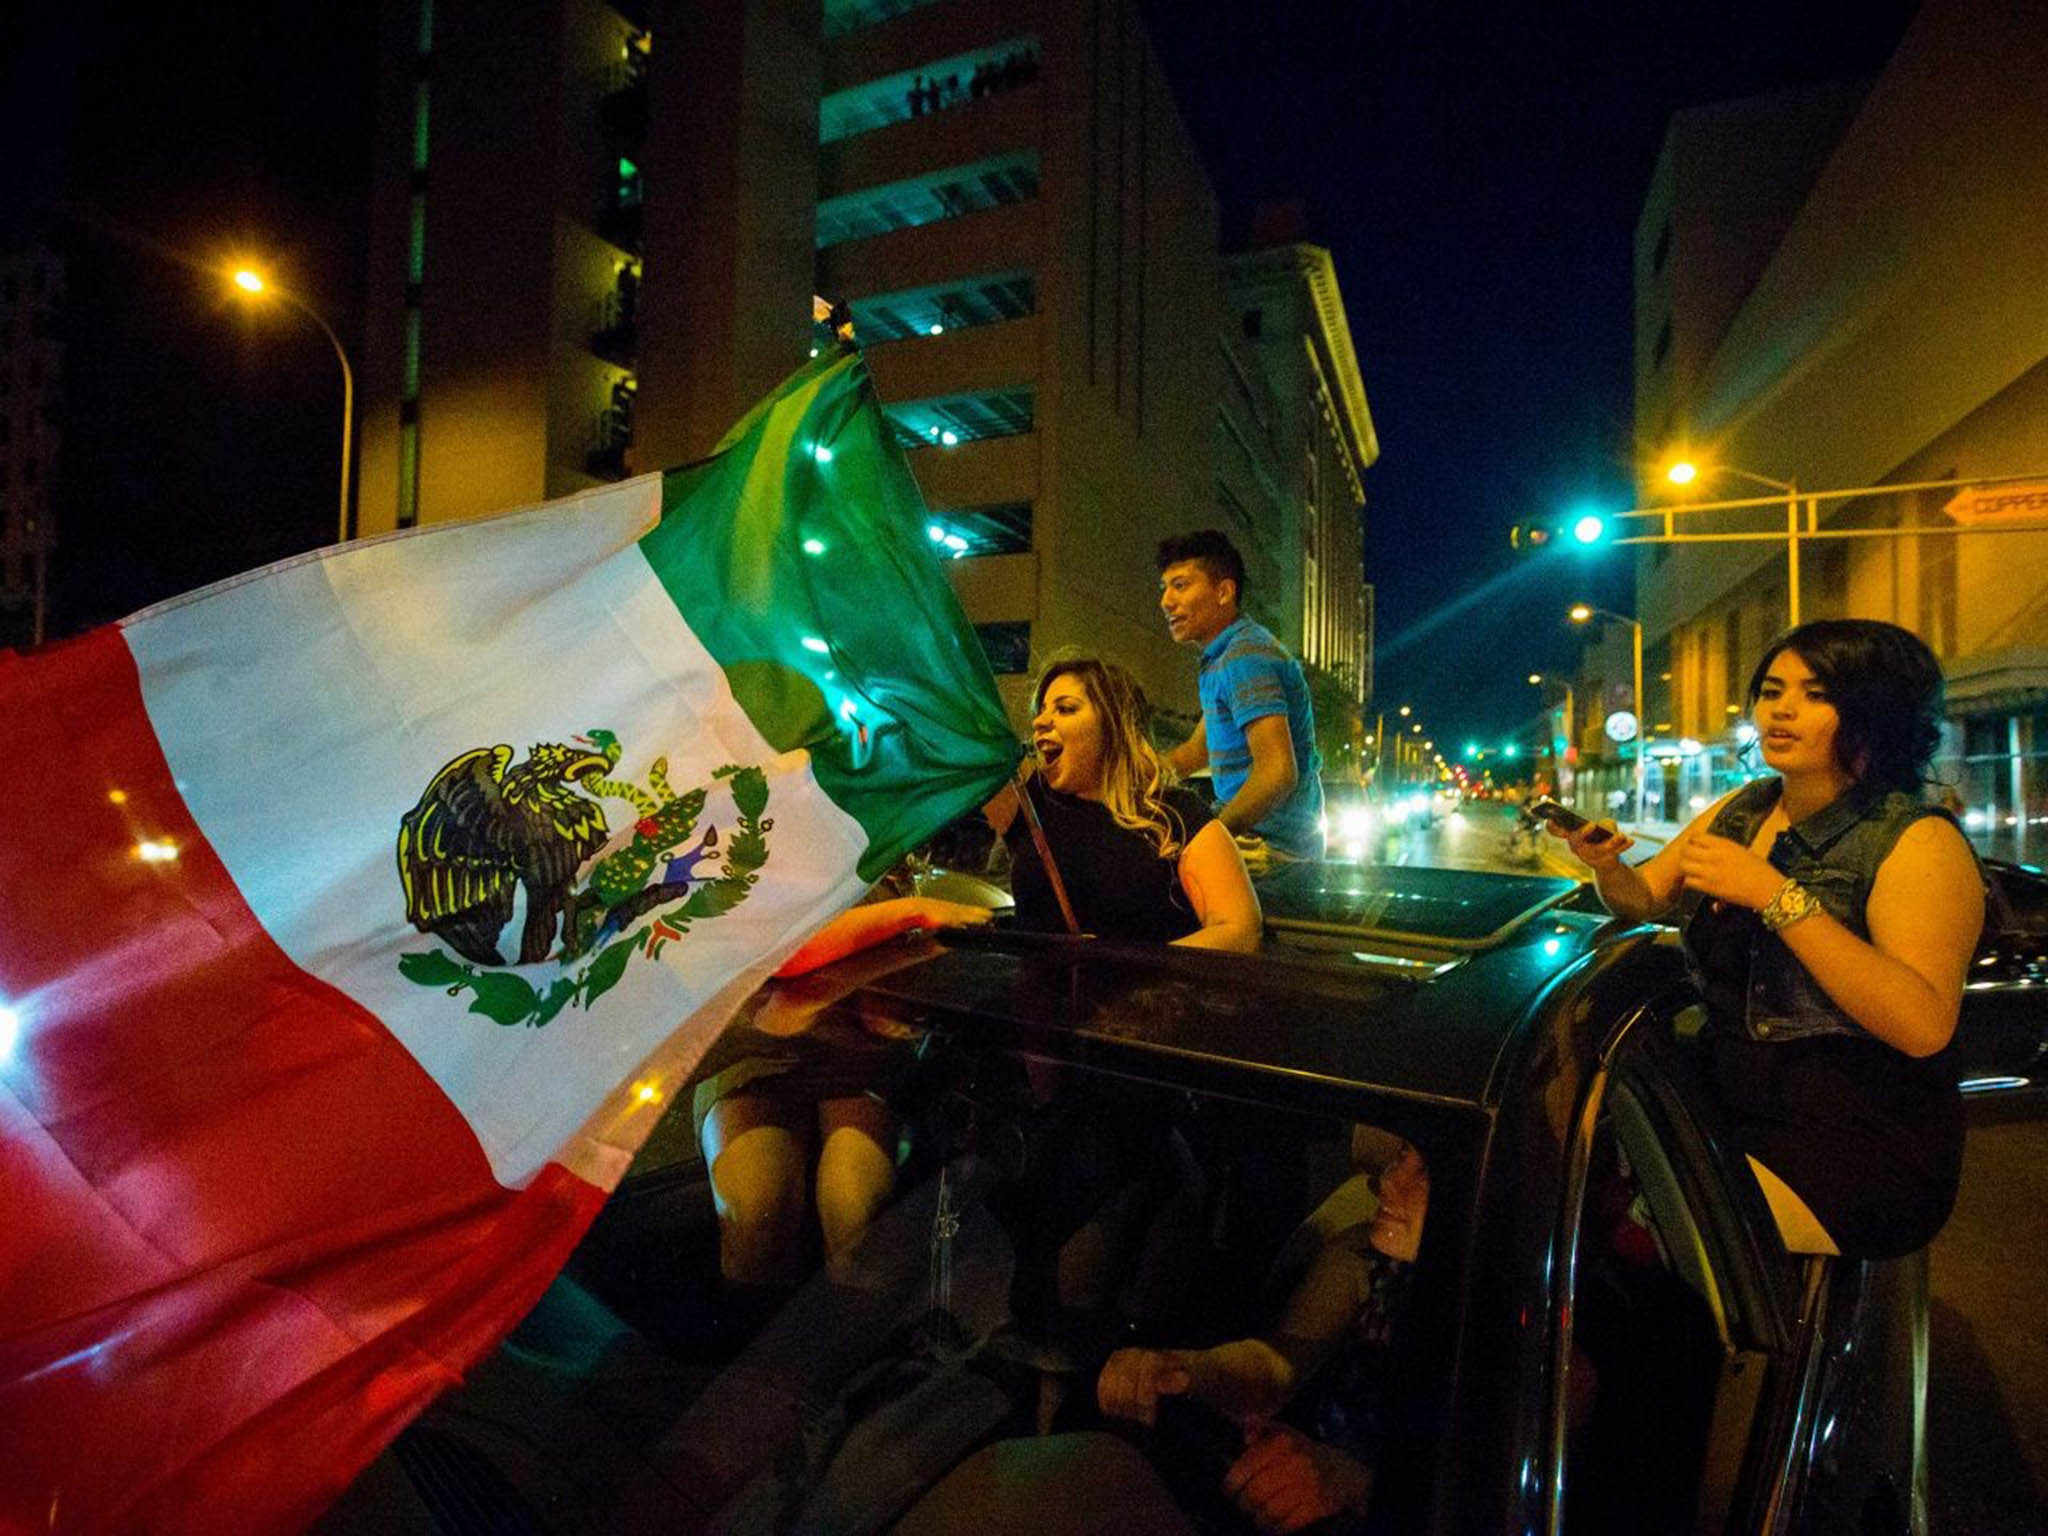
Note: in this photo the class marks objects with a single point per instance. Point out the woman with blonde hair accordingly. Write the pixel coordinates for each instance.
(1140, 858)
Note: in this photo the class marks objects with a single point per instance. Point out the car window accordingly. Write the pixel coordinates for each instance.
(982, 1248)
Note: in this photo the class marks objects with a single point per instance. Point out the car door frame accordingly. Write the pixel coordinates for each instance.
(1767, 1305)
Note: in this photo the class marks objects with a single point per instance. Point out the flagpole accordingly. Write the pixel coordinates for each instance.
(1052, 870)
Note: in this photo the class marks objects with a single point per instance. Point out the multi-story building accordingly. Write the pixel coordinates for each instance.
(1843, 288)
(31, 378)
(1294, 436)
(597, 232)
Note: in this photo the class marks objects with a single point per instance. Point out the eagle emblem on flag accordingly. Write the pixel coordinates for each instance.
(487, 829)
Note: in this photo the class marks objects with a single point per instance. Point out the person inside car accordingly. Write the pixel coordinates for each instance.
(1323, 1366)
(1829, 917)
(764, 1130)
(1138, 857)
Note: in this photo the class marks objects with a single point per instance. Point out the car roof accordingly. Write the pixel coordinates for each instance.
(1315, 1032)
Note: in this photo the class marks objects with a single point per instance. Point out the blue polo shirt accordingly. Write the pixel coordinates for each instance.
(1246, 676)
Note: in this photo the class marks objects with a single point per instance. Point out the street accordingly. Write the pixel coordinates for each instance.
(1987, 1425)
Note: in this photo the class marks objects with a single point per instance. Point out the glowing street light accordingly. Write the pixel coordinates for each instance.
(1585, 613)
(1537, 680)
(254, 284)
(1684, 472)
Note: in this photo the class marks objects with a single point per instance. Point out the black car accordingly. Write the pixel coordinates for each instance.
(1107, 1146)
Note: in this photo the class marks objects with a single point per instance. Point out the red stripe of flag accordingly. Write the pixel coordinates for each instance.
(247, 1237)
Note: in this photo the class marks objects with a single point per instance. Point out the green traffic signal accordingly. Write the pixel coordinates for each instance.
(1584, 529)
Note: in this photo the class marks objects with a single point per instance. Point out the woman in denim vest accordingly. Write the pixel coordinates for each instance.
(1829, 917)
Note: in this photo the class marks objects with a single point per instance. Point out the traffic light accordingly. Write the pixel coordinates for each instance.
(1582, 529)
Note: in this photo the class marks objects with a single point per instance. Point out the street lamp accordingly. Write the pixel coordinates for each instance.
(1571, 717)
(1583, 613)
(1685, 471)
(253, 283)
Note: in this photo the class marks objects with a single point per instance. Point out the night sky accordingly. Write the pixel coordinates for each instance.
(1476, 170)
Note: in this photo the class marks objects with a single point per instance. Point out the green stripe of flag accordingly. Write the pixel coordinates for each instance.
(798, 554)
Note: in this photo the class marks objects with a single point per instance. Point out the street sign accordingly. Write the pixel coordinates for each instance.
(1622, 726)
(1998, 503)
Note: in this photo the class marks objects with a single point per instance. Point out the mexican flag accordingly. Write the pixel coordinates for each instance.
(360, 916)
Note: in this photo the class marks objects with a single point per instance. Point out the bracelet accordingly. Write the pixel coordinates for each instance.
(1791, 903)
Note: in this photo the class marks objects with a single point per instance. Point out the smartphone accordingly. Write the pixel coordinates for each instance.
(1564, 817)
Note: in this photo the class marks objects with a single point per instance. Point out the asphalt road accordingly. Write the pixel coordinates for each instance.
(1987, 1426)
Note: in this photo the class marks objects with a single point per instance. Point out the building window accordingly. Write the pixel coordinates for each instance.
(843, 16)
(419, 127)
(958, 532)
(409, 470)
(954, 81)
(2005, 785)
(1007, 646)
(409, 374)
(953, 306)
(951, 420)
(926, 199)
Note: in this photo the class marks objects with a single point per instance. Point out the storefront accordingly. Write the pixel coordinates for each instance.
(1995, 756)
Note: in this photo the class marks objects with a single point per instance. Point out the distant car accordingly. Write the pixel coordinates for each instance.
(1354, 821)
(1410, 805)
(1106, 1144)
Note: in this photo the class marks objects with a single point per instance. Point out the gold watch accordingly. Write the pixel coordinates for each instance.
(1792, 903)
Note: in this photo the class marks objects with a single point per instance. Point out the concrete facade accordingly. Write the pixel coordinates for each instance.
(1057, 230)
(1843, 288)
(597, 232)
(1295, 436)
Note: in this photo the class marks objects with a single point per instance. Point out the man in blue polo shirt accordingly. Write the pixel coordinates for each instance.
(1258, 732)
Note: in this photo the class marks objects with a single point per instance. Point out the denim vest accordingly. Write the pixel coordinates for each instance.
(1834, 854)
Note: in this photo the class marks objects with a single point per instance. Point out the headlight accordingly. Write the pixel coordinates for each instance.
(1355, 824)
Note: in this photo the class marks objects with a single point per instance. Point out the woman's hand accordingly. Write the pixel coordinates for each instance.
(931, 912)
(865, 926)
(1728, 871)
(1594, 850)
